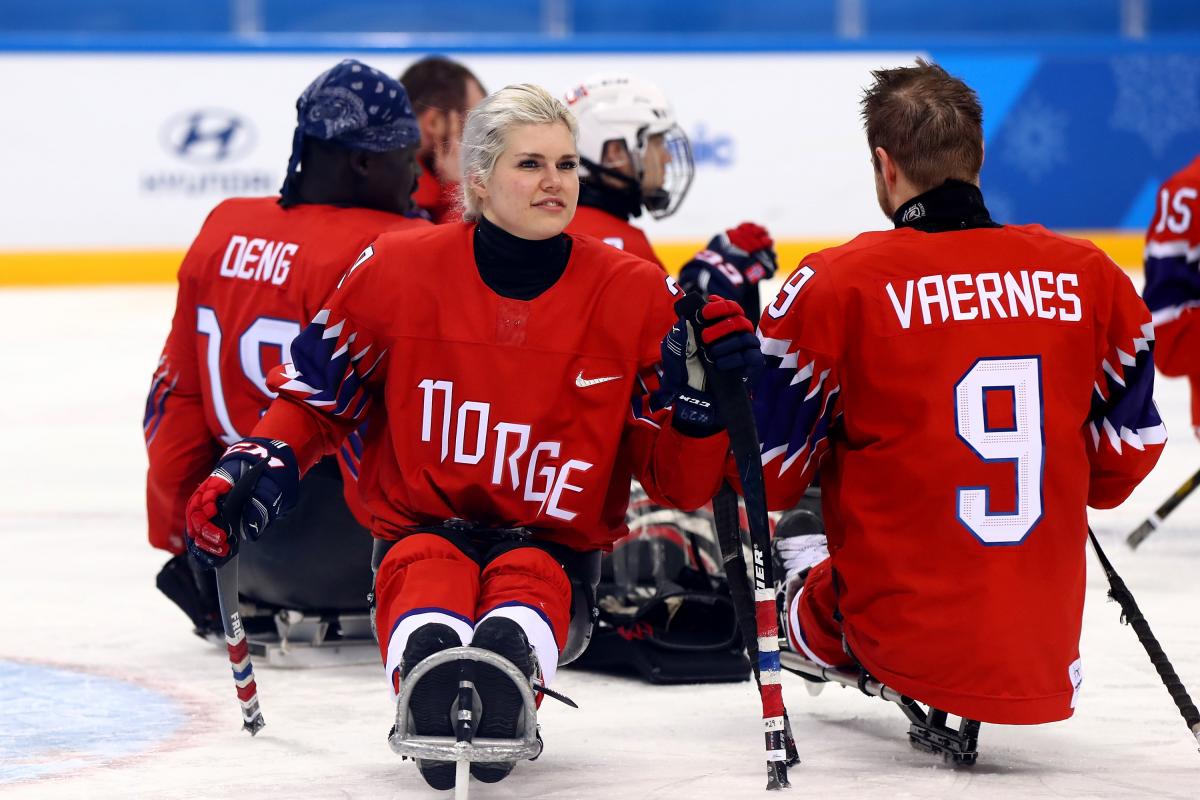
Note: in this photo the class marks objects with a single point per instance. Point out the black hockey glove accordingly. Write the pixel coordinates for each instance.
(727, 341)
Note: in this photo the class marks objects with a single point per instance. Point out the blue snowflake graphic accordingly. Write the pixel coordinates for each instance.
(1158, 97)
(1035, 138)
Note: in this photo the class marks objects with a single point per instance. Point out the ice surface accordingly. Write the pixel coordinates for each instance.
(106, 693)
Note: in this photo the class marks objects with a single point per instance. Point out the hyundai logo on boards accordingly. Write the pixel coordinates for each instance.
(207, 135)
(205, 145)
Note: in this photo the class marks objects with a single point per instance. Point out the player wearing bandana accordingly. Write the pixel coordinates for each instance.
(259, 269)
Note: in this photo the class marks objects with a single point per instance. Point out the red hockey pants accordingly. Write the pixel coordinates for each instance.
(812, 629)
(426, 578)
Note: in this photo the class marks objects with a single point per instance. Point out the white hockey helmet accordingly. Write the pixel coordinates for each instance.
(621, 107)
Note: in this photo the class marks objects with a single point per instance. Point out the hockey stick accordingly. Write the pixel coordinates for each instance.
(231, 618)
(735, 406)
(1156, 519)
(1132, 615)
(729, 537)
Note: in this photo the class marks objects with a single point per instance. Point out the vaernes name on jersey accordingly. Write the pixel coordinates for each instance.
(934, 299)
(258, 259)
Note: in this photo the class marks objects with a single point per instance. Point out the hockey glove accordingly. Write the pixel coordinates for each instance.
(255, 483)
(750, 248)
(722, 336)
(734, 259)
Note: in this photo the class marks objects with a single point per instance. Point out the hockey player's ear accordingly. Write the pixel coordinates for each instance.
(886, 167)
(433, 124)
(480, 187)
(616, 156)
(360, 162)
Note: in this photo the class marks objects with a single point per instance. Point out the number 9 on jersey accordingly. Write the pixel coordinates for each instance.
(1010, 431)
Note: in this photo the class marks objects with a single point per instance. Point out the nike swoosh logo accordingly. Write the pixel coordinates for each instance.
(583, 383)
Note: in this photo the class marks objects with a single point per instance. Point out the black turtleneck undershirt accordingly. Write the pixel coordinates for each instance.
(953, 206)
(516, 268)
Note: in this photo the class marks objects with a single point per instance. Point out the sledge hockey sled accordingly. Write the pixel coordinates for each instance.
(463, 747)
(290, 639)
(928, 729)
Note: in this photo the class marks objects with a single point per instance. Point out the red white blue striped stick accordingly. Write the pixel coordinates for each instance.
(227, 598)
(735, 407)
(770, 690)
(238, 646)
(750, 618)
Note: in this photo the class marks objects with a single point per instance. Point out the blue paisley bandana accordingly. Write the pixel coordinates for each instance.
(355, 106)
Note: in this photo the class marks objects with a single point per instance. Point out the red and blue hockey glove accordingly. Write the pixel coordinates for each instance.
(256, 482)
(723, 337)
(749, 248)
(733, 260)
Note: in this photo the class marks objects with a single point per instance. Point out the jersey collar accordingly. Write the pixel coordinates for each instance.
(953, 206)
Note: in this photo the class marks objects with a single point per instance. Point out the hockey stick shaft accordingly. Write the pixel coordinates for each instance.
(238, 647)
(729, 537)
(231, 617)
(1133, 615)
(1153, 521)
(734, 404)
(725, 517)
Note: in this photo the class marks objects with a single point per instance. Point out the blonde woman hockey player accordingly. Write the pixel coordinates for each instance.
(509, 371)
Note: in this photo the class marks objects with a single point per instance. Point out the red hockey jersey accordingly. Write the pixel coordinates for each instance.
(440, 200)
(971, 392)
(1172, 288)
(613, 231)
(254, 276)
(503, 412)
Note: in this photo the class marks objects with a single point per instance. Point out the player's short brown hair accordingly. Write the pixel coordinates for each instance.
(437, 82)
(928, 121)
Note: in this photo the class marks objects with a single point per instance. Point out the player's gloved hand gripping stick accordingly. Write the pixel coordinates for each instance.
(255, 482)
(734, 407)
(231, 619)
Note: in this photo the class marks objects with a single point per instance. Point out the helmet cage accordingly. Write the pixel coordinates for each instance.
(629, 110)
(677, 174)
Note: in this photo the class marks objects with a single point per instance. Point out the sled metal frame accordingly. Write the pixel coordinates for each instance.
(307, 641)
(928, 730)
(525, 746)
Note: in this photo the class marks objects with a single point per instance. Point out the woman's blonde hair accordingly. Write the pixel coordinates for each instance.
(485, 134)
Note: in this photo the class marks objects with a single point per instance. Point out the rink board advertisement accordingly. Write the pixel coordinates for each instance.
(113, 159)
